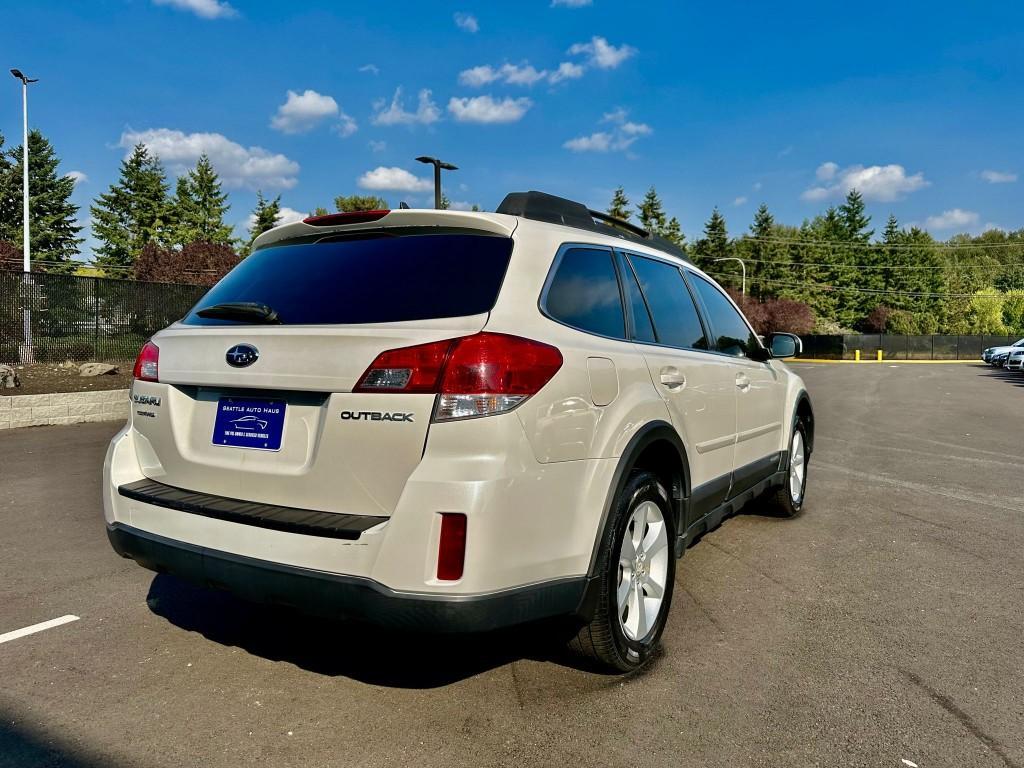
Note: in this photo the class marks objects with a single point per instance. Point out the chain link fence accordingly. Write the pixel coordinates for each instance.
(900, 347)
(51, 318)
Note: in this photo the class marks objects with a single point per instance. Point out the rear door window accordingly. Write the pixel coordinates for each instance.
(636, 308)
(732, 334)
(368, 279)
(676, 321)
(584, 293)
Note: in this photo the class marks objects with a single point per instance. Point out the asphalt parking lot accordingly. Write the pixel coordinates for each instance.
(885, 625)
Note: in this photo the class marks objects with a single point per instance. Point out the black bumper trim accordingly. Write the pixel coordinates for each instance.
(351, 597)
(289, 519)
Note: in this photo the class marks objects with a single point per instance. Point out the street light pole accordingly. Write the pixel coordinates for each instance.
(743, 266)
(438, 166)
(26, 352)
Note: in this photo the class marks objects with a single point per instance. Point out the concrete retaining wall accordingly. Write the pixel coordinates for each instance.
(63, 408)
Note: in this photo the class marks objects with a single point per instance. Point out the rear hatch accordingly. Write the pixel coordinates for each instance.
(260, 383)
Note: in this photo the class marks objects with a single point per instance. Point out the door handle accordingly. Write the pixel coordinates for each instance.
(671, 378)
(742, 381)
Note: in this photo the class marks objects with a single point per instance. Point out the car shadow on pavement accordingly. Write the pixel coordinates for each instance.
(365, 653)
(21, 746)
(1013, 377)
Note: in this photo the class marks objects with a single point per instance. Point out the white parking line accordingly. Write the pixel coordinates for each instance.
(8, 636)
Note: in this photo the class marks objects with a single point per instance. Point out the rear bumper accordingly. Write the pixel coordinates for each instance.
(350, 597)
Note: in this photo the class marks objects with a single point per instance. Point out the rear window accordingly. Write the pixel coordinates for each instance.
(378, 279)
(584, 293)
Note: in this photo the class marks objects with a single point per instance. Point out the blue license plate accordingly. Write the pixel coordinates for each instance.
(248, 423)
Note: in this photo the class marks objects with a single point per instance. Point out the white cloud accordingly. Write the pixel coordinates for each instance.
(571, 3)
(461, 205)
(346, 125)
(427, 111)
(486, 109)
(620, 137)
(512, 74)
(956, 218)
(883, 183)
(378, 146)
(76, 176)
(238, 166)
(998, 177)
(741, 200)
(467, 22)
(396, 179)
(373, 69)
(595, 142)
(285, 216)
(826, 171)
(207, 9)
(603, 54)
(301, 112)
(757, 186)
(567, 70)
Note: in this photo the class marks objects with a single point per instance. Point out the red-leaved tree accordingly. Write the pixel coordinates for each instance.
(195, 264)
(776, 315)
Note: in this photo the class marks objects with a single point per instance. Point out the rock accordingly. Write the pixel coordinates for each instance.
(8, 378)
(67, 365)
(96, 369)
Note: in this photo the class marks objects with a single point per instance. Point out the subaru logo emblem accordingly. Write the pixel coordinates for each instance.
(242, 355)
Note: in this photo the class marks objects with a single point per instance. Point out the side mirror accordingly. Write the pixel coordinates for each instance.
(785, 345)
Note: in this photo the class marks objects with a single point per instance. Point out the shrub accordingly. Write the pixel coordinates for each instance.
(901, 322)
(1013, 309)
(195, 264)
(877, 319)
(927, 323)
(776, 315)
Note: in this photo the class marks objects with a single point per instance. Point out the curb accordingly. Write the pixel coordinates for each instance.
(63, 408)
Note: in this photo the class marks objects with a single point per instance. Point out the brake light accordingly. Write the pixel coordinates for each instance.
(451, 552)
(478, 375)
(335, 219)
(147, 364)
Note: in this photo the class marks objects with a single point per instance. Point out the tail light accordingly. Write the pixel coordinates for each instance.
(147, 364)
(451, 552)
(478, 375)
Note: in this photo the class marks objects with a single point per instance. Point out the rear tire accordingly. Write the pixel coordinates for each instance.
(636, 568)
(788, 501)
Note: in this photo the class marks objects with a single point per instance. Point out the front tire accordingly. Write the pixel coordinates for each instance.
(788, 501)
(636, 569)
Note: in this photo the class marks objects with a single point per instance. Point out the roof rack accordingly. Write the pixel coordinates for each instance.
(540, 206)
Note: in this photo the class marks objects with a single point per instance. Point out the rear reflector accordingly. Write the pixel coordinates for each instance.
(337, 219)
(478, 375)
(451, 554)
(147, 364)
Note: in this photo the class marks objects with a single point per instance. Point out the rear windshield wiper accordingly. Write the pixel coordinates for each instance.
(241, 311)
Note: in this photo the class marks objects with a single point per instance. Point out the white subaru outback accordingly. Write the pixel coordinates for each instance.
(456, 422)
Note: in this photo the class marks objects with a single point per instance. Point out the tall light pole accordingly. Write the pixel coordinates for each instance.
(26, 352)
(438, 166)
(743, 266)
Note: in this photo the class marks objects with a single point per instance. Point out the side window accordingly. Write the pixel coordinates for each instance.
(584, 293)
(734, 336)
(676, 321)
(643, 329)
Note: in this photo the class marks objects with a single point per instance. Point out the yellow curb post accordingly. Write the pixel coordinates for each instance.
(879, 355)
(856, 355)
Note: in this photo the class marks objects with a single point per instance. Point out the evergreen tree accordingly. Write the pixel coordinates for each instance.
(10, 198)
(135, 210)
(53, 230)
(651, 213)
(445, 202)
(715, 244)
(264, 217)
(199, 207)
(854, 219)
(674, 233)
(352, 203)
(319, 211)
(619, 207)
(766, 275)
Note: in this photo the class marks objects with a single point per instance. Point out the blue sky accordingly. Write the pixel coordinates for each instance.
(728, 103)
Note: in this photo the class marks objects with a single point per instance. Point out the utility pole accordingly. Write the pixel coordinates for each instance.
(438, 166)
(26, 351)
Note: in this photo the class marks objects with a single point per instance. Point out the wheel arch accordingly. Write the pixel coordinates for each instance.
(804, 414)
(657, 447)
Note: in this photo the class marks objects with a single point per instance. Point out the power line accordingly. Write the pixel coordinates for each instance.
(884, 266)
(870, 291)
(853, 244)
